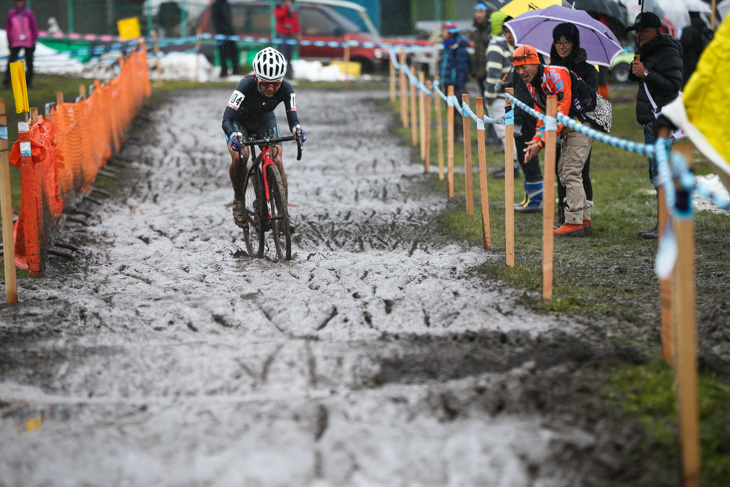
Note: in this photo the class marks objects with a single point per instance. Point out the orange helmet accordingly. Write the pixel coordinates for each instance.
(525, 55)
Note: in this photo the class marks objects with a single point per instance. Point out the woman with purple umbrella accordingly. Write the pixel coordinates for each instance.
(566, 52)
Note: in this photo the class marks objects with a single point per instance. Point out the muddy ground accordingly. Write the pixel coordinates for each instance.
(162, 355)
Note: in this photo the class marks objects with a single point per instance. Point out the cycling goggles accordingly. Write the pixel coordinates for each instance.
(266, 84)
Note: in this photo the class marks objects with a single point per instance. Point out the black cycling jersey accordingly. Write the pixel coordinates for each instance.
(247, 105)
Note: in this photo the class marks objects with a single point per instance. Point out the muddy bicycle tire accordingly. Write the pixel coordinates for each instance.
(280, 229)
(254, 202)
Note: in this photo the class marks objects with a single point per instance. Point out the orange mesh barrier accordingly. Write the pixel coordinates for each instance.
(67, 153)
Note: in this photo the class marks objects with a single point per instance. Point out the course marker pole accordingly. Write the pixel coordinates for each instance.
(686, 373)
(482, 154)
(403, 90)
(6, 210)
(422, 115)
(414, 113)
(548, 200)
(509, 190)
(439, 133)
(197, 54)
(450, 138)
(467, 160)
(427, 160)
(82, 91)
(347, 59)
(391, 79)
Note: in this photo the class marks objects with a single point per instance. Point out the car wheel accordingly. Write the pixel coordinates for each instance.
(621, 72)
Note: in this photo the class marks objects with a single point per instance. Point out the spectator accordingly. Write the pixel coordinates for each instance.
(455, 66)
(499, 64)
(571, 94)
(480, 37)
(658, 69)
(524, 131)
(566, 52)
(695, 38)
(223, 25)
(287, 30)
(22, 31)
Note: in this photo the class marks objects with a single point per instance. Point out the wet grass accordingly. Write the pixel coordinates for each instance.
(647, 393)
(609, 278)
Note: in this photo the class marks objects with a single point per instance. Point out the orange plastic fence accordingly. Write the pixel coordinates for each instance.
(67, 153)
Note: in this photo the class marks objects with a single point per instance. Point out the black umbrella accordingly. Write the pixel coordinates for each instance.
(612, 10)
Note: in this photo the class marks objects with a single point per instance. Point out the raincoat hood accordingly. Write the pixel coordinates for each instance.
(497, 19)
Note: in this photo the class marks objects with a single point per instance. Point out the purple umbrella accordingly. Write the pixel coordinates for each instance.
(535, 28)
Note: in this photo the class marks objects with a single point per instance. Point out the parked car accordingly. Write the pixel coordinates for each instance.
(321, 23)
(621, 66)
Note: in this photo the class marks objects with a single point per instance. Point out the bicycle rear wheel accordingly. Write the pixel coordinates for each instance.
(280, 221)
(254, 201)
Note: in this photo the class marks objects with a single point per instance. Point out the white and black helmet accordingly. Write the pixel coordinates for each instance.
(269, 65)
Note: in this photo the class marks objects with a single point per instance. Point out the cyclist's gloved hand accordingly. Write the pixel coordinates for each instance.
(236, 141)
(299, 132)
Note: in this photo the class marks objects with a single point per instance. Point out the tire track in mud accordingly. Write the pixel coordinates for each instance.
(375, 357)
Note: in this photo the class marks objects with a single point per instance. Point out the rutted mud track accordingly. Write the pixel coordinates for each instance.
(163, 356)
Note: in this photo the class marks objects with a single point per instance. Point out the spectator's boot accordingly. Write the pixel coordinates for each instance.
(653, 232)
(534, 198)
(569, 230)
(524, 200)
(587, 228)
(561, 216)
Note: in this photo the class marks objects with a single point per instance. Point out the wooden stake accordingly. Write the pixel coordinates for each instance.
(82, 91)
(482, 154)
(427, 160)
(403, 90)
(347, 59)
(439, 133)
(467, 161)
(686, 374)
(414, 113)
(509, 189)
(6, 211)
(59, 98)
(450, 139)
(549, 202)
(422, 115)
(391, 78)
(33, 114)
(712, 17)
(158, 62)
(666, 286)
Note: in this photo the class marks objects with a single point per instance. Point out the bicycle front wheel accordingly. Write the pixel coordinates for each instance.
(280, 228)
(254, 201)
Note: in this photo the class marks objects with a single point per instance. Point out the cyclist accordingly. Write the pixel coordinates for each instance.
(250, 112)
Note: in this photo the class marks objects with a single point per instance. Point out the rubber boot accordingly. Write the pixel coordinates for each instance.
(534, 198)
(524, 200)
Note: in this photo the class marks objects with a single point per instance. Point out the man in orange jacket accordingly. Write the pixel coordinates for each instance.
(287, 31)
(571, 94)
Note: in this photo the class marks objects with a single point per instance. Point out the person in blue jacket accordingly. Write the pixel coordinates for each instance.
(454, 67)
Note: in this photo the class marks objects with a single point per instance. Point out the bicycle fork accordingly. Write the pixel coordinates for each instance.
(266, 157)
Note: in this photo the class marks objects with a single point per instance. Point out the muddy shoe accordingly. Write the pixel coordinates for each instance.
(239, 212)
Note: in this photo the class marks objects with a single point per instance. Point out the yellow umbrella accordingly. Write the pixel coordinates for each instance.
(519, 7)
(705, 103)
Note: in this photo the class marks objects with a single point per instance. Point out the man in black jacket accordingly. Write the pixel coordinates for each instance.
(658, 69)
(222, 17)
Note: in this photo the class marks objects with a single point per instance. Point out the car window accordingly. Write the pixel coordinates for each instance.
(250, 19)
(315, 23)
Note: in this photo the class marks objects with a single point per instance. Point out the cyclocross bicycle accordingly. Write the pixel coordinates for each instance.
(265, 200)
